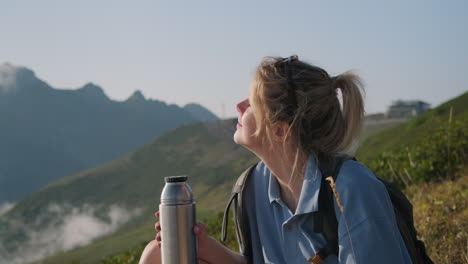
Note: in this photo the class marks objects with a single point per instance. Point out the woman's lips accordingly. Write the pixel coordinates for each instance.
(239, 124)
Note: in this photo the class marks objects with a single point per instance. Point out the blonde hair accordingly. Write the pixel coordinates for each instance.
(318, 122)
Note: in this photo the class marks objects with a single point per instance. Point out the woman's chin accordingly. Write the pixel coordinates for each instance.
(236, 138)
(244, 141)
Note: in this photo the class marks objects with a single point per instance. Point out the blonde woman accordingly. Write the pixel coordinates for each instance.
(292, 116)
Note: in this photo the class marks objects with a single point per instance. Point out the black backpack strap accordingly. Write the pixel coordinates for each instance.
(325, 221)
(240, 214)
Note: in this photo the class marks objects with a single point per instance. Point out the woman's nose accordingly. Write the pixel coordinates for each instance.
(239, 109)
(242, 106)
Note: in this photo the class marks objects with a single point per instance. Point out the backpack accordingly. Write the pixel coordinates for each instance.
(325, 221)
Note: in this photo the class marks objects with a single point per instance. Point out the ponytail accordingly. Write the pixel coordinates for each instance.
(351, 89)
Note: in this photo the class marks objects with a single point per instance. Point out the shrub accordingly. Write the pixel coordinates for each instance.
(438, 156)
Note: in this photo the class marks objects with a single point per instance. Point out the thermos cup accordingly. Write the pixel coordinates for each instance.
(177, 219)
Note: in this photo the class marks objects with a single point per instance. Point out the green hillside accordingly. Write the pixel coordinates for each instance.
(413, 130)
(205, 152)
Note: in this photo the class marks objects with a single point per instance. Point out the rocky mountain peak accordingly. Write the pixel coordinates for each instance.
(12, 77)
(91, 89)
(137, 96)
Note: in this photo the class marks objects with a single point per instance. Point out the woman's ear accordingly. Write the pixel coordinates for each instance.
(281, 132)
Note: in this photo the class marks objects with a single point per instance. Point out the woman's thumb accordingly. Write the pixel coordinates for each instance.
(199, 229)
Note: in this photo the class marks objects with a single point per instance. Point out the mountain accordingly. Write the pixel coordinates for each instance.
(49, 133)
(95, 201)
(200, 113)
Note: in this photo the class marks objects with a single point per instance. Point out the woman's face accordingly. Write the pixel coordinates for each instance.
(246, 126)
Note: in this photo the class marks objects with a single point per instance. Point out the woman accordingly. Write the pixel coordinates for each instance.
(292, 116)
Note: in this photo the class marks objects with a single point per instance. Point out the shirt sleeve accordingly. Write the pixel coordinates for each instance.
(372, 241)
(367, 228)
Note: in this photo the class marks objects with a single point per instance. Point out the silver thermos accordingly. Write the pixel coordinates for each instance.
(177, 219)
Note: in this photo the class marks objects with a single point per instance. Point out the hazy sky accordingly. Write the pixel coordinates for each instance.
(206, 51)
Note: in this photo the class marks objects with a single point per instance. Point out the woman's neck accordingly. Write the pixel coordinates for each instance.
(281, 165)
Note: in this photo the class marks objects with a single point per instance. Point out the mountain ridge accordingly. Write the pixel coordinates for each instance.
(57, 132)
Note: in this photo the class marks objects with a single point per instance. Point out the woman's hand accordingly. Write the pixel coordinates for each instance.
(152, 252)
(199, 230)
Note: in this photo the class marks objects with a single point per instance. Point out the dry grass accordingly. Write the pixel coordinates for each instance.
(441, 218)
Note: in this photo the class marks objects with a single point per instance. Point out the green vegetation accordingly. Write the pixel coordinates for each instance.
(213, 227)
(433, 146)
(111, 245)
(414, 130)
(131, 256)
(438, 155)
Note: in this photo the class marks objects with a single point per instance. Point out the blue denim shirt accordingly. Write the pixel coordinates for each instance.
(367, 229)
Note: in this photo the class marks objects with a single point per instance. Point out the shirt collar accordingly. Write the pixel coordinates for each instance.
(273, 188)
(308, 199)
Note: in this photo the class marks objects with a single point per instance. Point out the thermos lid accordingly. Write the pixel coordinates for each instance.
(176, 191)
(175, 179)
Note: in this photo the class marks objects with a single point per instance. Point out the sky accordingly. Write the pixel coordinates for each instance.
(207, 51)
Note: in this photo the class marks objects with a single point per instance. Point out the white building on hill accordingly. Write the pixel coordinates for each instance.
(402, 108)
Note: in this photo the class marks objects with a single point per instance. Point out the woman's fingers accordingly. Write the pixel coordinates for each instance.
(199, 229)
(158, 239)
(157, 227)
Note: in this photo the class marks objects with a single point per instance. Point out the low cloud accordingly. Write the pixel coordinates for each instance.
(80, 228)
(7, 77)
(76, 226)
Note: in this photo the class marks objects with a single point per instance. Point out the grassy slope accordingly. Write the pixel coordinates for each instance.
(440, 215)
(205, 152)
(414, 129)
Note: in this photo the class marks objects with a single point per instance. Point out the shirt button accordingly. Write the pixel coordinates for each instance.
(289, 227)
